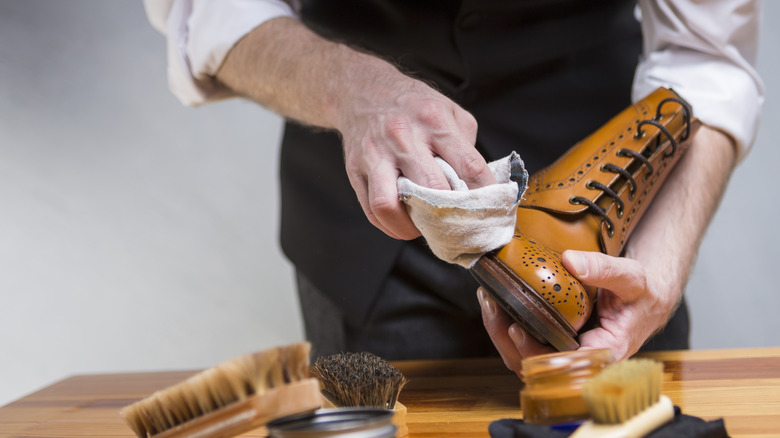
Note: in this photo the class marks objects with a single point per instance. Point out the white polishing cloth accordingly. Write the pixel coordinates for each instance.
(461, 225)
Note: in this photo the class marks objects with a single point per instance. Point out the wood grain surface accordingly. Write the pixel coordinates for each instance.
(457, 398)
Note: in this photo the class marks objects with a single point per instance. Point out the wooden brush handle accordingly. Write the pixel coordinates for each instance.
(399, 419)
(254, 412)
(639, 425)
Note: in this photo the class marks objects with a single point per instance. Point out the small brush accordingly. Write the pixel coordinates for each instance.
(233, 397)
(625, 400)
(362, 380)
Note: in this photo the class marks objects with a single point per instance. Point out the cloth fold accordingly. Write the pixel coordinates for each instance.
(462, 224)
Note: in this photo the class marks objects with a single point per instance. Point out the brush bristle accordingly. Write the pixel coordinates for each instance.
(213, 388)
(623, 390)
(359, 380)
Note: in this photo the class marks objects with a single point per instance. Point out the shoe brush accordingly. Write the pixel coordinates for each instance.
(233, 397)
(625, 400)
(362, 380)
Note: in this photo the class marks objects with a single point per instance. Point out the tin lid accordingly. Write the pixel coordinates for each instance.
(338, 422)
(565, 361)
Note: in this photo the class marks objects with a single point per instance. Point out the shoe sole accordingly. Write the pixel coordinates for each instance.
(527, 307)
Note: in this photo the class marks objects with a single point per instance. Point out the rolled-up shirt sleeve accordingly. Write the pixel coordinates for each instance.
(706, 51)
(199, 35)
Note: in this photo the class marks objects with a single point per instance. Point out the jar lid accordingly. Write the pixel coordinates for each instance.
(565, 360)
(338, 422)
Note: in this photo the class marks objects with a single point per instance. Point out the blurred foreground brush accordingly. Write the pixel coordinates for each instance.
(624, 400)
(231, 398)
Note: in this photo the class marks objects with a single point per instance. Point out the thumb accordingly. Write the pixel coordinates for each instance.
(624, 277)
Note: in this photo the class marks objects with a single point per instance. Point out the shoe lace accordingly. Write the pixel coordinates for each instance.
(597, 209)
(641, 158)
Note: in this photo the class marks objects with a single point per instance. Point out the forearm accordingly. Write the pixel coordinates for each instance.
(266, 66)
(390, 123)
(667, 239)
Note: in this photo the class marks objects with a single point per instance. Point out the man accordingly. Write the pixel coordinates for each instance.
(396, 83)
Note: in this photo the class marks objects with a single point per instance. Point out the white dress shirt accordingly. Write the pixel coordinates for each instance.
(704, 49)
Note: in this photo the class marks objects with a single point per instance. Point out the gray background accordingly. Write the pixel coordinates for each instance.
(137, 234)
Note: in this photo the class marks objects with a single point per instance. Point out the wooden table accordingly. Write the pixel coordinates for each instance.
(444, 398)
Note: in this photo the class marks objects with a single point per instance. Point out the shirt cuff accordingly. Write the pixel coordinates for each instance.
(200, 33)
(708, 59)
(723, 96)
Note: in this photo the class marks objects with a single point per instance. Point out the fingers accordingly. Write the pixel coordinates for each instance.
(622, 276)
(390, 149)
(403, 139)
(512, 342)
(458, 150)
(526, 344)
(602, 338)
(497, 324)
(438, 127)
(383, 209)
(629, 312)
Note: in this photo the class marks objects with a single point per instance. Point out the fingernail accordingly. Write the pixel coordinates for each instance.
(577, 264)
(517, 335)
(487, 303)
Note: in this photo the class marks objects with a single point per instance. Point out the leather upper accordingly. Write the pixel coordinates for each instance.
(593, 196)
(547, 211)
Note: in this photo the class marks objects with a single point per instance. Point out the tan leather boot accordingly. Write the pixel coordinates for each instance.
(589, 199)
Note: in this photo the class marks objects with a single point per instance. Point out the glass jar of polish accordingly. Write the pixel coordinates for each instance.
(552, 393)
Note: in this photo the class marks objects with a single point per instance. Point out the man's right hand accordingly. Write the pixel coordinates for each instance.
(396, 126)
(390, 123)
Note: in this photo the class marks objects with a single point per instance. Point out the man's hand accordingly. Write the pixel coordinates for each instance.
(630, 310)
(511, 340)
(630, 307)
(390, 123)
(392, 129)
(638, 292)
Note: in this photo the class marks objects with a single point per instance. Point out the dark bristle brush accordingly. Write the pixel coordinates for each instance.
(362, 380)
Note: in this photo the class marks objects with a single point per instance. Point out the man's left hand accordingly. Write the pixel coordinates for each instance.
(629, 310)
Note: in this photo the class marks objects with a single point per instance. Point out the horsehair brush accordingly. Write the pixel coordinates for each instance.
(625, 400)
(362, 380)
(233, 397)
